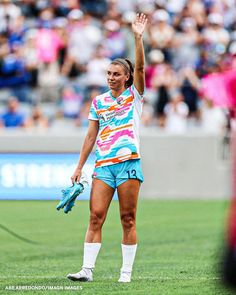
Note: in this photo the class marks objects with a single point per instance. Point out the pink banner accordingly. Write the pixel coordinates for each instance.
(220, 88)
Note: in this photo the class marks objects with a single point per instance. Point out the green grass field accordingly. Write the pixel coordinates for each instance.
(179, 248)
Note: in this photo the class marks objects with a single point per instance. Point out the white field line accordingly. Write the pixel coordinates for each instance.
(30, 277)
(140, 278)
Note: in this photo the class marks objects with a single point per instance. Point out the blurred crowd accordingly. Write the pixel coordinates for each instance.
(54, 56)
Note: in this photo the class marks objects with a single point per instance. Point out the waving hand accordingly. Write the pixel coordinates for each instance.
(139, 24)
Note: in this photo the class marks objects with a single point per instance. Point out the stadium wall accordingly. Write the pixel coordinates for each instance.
(187, 166)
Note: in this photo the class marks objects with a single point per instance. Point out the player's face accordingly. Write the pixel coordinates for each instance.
(116, 77)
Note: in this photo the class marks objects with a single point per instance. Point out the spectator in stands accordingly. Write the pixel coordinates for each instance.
(82, 117)
(154, 67)
(75, 55)
(84, 36)
(147, 114)
(12, 117)
(213, 119)
(127, 20)
(31, 57)
(60, 28)
(82, 120)
(97, 70)
(161, 33)
(114, 39)
(164, 82)
(176, 112)
(186, 44)
(37, 119)
(197, 11)
(48, 44)
(189, 86)
(17, 30)
(13, 71)
(8, 13)
(216, 37)
(71, 101)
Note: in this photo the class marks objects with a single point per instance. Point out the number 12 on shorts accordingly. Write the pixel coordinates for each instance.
(131, 174)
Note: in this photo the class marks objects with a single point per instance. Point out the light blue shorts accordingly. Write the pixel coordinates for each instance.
(116, 174)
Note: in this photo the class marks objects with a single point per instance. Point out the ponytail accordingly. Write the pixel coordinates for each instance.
(131, 73)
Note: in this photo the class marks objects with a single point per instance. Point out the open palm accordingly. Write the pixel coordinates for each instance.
(139, 24)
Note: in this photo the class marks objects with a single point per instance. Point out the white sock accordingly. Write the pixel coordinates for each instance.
(128, 254)
(91, 251)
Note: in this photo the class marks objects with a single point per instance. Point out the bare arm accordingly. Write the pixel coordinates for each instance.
(86, 149)
(138, 28)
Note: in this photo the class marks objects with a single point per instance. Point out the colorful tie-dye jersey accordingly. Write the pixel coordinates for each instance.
(119, 118)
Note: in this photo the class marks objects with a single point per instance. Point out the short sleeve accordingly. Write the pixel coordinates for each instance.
(136, 93)
(92, 113)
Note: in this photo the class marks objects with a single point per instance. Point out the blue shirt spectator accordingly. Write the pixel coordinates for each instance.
(13, 117)
(13, 71)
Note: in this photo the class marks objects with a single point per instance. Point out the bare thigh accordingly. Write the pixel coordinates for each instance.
(101, 196)
(128, 196)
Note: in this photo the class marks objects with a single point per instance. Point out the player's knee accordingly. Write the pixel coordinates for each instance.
(128, 221)
(96, 220)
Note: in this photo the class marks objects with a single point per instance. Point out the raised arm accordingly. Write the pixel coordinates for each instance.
(86, 149)
(138, 28)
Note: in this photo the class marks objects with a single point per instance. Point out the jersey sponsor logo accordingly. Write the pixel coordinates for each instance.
(108, 115)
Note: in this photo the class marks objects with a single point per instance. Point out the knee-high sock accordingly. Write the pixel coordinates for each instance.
(91, 251)
(128, 254)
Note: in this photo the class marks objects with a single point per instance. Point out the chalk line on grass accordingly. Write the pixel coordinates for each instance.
(140, 278)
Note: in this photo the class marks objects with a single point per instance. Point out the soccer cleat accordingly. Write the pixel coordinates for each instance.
(85, 275)
(70, 204)
(70, 194)
(125, 277)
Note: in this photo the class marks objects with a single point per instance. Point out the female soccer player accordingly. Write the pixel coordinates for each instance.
(114, 119)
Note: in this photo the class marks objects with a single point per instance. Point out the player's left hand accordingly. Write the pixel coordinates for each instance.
(138, 26)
